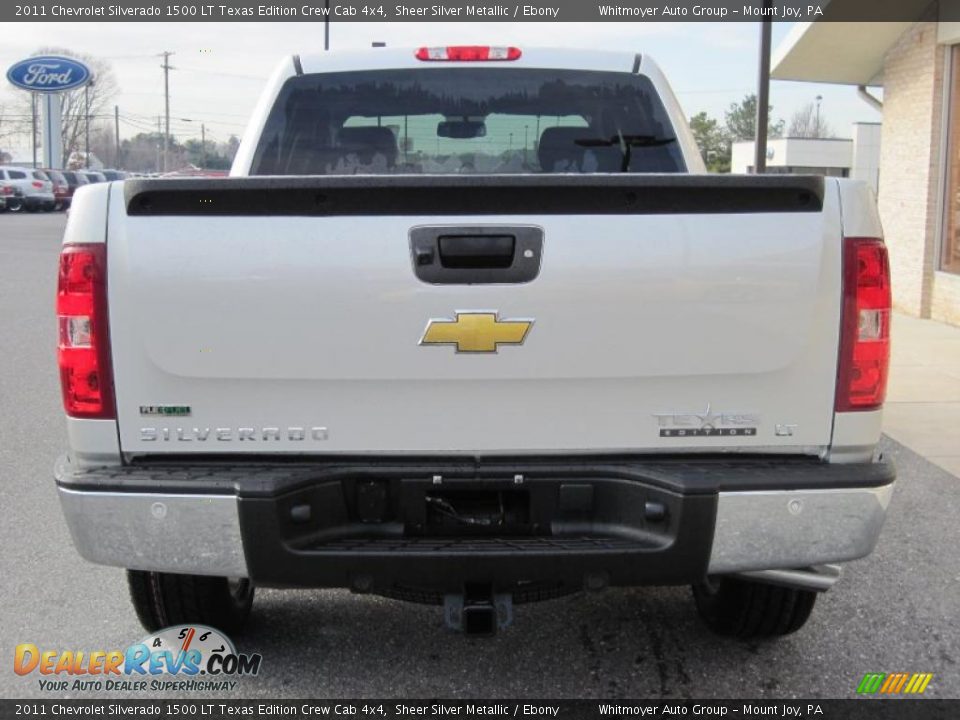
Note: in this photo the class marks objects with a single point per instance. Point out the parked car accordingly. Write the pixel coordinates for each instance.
(112, 175)
(12, 197)
(36, 187)
(62, 193)
(93, 176)
(74, 180)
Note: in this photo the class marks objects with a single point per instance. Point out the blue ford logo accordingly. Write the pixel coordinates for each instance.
(48, 73)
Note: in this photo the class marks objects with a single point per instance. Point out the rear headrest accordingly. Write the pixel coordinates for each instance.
(558, 151)
(367, 142)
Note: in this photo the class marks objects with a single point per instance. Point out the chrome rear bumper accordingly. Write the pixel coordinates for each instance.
(189, 534)
(779, 529)
(201, 534)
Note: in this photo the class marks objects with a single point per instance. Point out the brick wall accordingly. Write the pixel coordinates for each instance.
(945, 304)
(909, 161)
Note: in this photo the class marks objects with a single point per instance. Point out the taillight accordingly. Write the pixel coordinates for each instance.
(37, 184)
(83, 348)
(865, 326)
(468, 53)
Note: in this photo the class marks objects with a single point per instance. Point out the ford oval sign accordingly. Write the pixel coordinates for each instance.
(49, 73)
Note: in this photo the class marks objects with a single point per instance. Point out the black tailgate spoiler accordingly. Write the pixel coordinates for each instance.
(594, 194)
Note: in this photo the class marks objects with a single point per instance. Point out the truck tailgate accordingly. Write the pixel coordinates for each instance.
(667, 315)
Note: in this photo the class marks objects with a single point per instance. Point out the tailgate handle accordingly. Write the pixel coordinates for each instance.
(451, 255)
(476, 251)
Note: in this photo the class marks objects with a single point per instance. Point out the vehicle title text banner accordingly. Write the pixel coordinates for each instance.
(213, 709)
(467, 11)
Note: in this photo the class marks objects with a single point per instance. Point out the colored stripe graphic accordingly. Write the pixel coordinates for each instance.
(894, 683)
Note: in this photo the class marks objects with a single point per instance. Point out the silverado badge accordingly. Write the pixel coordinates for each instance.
(476, 331)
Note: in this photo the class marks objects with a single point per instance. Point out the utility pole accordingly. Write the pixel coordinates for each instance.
(86, 143)
(166, 100)
(763, 95)
(819, 100)
(116, 136)
(203, 146)
(158, 143)
(326, 25)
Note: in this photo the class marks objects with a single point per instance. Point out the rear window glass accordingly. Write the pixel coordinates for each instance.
(467, 120)
(40, 175)
(16, 175)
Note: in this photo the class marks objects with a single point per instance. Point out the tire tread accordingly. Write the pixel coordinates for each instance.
(164, 599)
(747, 609)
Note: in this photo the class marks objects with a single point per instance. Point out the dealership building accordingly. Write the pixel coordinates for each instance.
(917, 64)
(856, 157)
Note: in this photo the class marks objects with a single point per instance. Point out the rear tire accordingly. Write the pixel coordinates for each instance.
(165, 599)
(746, 609)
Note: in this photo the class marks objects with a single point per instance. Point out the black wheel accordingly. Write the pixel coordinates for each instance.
(745, 609)
(15, 205)
(164, 599)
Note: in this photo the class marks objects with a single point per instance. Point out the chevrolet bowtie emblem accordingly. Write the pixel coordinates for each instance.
(476, 332)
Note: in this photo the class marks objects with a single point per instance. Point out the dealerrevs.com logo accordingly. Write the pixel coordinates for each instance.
(894, 683)
(181, 658)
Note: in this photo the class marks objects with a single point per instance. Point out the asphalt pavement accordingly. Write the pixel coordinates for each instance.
(897, 610)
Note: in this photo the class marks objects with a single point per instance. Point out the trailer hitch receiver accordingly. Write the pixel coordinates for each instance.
(478, 612)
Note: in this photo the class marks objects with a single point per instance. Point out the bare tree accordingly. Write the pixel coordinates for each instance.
(74, 103)
(102, 143)
(230, 147)
(141, 153)
(5, 128)
(807, 122)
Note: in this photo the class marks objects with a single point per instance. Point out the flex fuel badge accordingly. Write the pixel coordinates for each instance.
(165, 410)
(180, 658)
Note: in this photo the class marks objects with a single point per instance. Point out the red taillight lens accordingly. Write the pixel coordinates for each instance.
(468, 53)
(865, 326)
(83, 347)
(37, 184)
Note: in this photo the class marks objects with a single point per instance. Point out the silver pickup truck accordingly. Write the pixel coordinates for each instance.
(471, 326)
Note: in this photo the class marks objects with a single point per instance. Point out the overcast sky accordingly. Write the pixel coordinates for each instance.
(221, 66)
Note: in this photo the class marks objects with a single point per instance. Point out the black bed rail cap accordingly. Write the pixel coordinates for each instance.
(593, 194)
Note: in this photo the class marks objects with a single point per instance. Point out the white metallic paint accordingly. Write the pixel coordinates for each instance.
(267, 322)
(318, 325)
